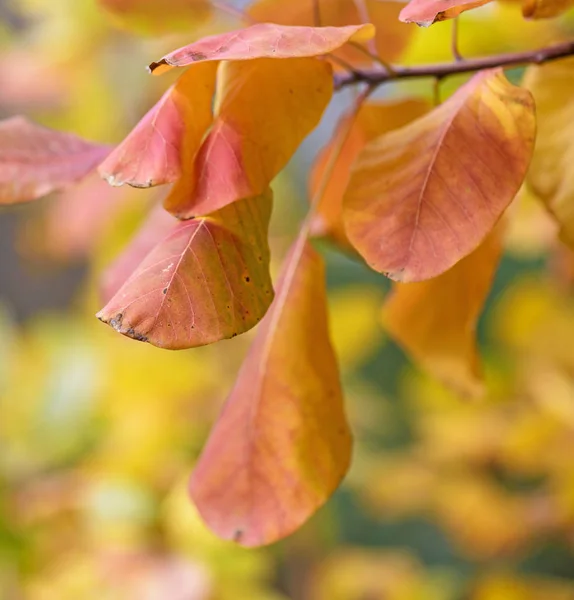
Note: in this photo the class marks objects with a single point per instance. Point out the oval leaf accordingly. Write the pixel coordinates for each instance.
(207, 280)
(35, 160)
(427, 12)
(265, 40)
(264, 111)
(282, 444)
(435, 321)
(551, 176)
(168, 136)
(424, 196)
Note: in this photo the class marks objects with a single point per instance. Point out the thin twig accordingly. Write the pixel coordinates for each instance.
(471, 65)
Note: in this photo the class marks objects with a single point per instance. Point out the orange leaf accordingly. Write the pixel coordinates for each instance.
(372, 120)
(35, 161)
(391, 35)
(424, 196)
(207, 280)
(282, 443)
(427, 12)
(168, 136)
(264, 110)
(545, 9)
(435, 321)
(265, 40)
(154, 17)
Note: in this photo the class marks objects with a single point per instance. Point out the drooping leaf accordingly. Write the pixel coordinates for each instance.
(168, 137)
(372, 120)
(435, 321)
(424, 196)
(264, 110)
(391, 36)
(551, 176)
(265, 40)
(158, 225)
(35, 160)
(153, 17)
(282, 443)
(207, 280)
(427, 12)
(545, 9)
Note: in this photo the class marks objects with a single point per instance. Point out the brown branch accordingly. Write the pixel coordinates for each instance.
(441, 70)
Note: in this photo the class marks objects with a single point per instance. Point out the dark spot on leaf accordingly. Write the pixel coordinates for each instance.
(116, 322)
(197, 56)
(247, 279)
(164, 290)
(234, 334)
(135, 335)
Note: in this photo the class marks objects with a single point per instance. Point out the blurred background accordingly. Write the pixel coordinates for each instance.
(447, 499)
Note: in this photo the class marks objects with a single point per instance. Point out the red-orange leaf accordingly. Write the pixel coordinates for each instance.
(35, 160)
(168, 136)
(372, 120)
(264, 110)
(265, 40)
(545, 9)
(282, 443)
(427, 12)
(424, 196)
(207, 280)
(435, 321)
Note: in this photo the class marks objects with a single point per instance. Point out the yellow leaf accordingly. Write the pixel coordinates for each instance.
(435, 321)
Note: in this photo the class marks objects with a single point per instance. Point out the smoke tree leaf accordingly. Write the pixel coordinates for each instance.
(424, 196)
(35, 160)
(282, 444)
(206, 280)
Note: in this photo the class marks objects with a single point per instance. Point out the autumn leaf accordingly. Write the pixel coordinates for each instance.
(391, 36)
(168, 137)
(550, 175)
(265, 40)
(545, 9)
(264, 110)
(372, 120)
(435, 321)
(427, 12)
(423, 197)
(207, 280)
(35, 160)
(282, 443)
(153, 17)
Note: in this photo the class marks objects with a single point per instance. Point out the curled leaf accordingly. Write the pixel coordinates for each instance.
(35, 160)
(206, 280)
(282, 443)
(264, 110)
(168, 136)
(265, 40)
(423, 197)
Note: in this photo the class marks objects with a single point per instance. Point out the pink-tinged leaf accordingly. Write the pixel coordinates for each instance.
(282, 444)
(158, 225)
(265, 40)
(427, 12)
(35, 160)
(424, 196)
(264, 110)
(207, 280)
(168, 136)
